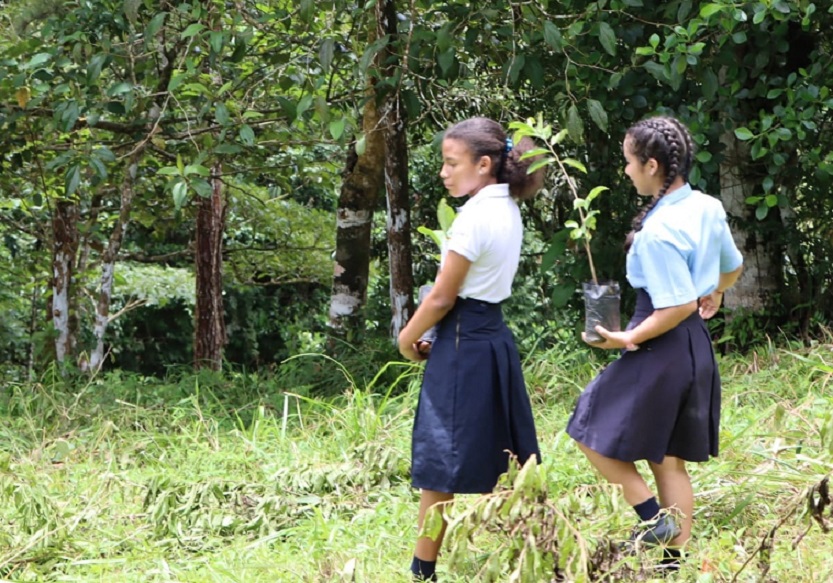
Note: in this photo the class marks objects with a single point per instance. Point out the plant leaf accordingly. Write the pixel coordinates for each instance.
(574, 124)
(597, 114)
(575, 164)
(608, 38)
(552, 35)
(445, 215)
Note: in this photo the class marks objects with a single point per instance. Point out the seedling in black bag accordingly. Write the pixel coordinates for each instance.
(601, 299)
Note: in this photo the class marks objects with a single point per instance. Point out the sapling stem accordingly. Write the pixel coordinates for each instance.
(587, 236)
(544, 132)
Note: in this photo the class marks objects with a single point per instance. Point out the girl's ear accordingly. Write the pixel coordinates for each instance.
(652, 166)
(484, 164)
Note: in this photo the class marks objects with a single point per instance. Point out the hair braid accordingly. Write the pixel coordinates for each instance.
(668, 142)
(688, 158)
(672, 139)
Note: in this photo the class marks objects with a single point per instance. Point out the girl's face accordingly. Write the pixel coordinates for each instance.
(645, 177)
(461, 173)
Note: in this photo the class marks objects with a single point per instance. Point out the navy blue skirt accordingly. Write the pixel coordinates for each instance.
(663, 399)
(473, 406)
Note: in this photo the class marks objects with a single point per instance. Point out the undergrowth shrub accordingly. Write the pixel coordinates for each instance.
(196, 466)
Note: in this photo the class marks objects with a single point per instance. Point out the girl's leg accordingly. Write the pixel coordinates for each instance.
(675, 490)
(427, 549)
(634, 488)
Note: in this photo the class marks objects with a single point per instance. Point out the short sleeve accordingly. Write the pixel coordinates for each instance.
(730, 256)
(667, 275)
(463, 238)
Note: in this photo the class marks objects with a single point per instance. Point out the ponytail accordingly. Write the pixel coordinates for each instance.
(486, 137)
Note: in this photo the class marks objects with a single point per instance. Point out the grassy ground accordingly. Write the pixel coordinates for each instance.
(236, 479)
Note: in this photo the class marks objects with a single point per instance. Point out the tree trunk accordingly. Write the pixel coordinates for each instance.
(362, 181)
(209, 323)
(394, 125)
(33, 328)
(64, 248)
(108, 263)
(762, 268)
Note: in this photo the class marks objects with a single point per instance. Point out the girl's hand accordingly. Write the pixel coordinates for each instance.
(410, 350)
(709, 304)
(612, 340)
(423, 347)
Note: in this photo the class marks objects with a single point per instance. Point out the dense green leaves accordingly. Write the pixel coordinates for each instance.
(271, 93)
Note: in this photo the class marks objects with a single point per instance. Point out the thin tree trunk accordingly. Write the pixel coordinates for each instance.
(89, 233)
(209, 323)
(762, 270)
(394, 125)
(361, 184)
(794, 297)
(33, 327)
(64, 248)
(108, 263)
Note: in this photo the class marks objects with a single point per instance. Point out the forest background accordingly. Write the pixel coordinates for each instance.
(227, 186)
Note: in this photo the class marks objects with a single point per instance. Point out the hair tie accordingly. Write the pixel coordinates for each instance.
(509, 145)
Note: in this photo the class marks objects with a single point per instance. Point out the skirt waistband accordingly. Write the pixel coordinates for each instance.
(471, 316)
(464, 303)
(645, 307)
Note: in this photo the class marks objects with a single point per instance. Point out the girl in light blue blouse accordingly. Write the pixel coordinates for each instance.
(660, 401)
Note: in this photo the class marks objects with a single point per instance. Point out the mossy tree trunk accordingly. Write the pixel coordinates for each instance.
(209, 323)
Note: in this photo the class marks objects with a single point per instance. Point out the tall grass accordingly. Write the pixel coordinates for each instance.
(238, 478)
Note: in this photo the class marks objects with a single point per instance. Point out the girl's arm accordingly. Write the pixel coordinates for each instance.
(709, 304)
(658, 323)
(436, 305)
(729, 279)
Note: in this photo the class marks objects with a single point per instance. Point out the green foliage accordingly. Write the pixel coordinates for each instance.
(755, 71)
(429, 196)
(548, 156)
(150, 339)
(188, 93)
(153, 285)
(237, 477)
(445, 217)
(743, 330)
(15, 307)
(218, 509)
(269, 95)
(277, 240)
(278, 257)
(767, 85)
(537, 536)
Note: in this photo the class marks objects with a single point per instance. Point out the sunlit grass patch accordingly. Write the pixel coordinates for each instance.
(234, 478)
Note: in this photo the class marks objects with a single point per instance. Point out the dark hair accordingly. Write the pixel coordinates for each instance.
(668, 141)
(486, 137)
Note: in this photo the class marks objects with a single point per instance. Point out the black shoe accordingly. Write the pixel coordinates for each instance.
(657, 532)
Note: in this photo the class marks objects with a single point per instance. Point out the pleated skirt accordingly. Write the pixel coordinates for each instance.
(663, 399)
(473, 407)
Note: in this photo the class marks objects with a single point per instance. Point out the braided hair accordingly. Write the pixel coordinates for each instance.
(486, 137)
(668, 141)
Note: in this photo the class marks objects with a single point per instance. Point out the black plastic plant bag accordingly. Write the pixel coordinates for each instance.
(431, 334)
(601, 307)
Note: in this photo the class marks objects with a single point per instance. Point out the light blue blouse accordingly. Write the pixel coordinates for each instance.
(683, 247)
